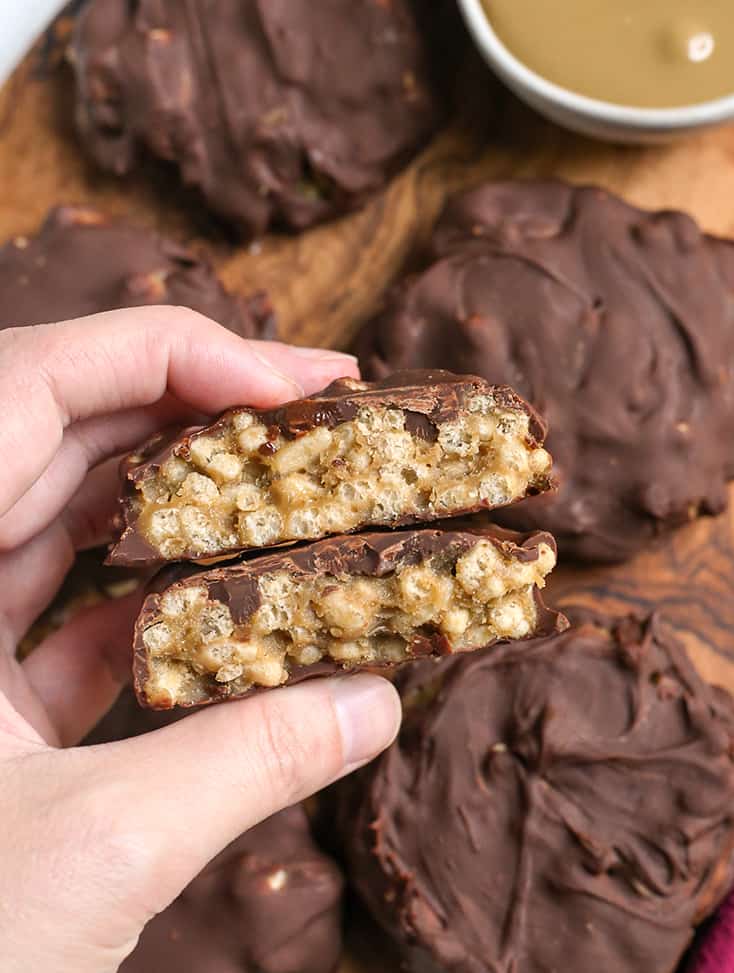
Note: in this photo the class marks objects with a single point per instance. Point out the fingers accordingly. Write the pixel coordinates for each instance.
(83, 446)
(22, 717)
(65, 373)
(78, 672)
(308, 369)
(31, 575)
(101, 838)
(88, 516)
(206, 779)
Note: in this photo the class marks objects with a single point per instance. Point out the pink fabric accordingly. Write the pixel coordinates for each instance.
(715, 952)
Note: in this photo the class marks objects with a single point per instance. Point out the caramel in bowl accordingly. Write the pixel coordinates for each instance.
(619, 70)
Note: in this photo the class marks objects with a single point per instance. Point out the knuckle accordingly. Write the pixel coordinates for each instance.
(12, 340)
(189, 323)
(191, 318)
(176, 331)
(280, 754)
(294, 751)
(10, 536)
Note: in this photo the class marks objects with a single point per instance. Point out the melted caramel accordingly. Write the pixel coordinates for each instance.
(644, 53)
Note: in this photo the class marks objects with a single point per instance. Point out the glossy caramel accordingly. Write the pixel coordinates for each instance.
(643, 53)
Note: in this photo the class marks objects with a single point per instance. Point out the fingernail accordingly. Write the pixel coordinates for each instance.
(321, 354)
(266, 363)
(368, 712)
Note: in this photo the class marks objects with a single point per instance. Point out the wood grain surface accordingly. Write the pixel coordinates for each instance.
(326, 282)
(688, 577)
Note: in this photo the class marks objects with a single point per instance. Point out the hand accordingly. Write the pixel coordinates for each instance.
(96, 840)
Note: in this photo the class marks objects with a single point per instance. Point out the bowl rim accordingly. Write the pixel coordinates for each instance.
(499, 56)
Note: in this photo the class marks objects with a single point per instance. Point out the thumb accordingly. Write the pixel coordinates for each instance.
(189, 789)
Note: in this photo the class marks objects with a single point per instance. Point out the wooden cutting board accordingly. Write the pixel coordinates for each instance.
(326, 282)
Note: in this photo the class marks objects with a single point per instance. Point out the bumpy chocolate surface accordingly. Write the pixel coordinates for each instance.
(617, 324)
(269, 903)
(217, 648)
(566, 804)
(82, 262)
(279, 112)
(426, 403)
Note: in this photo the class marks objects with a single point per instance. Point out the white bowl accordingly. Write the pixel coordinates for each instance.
(21, 21)
(601, 119)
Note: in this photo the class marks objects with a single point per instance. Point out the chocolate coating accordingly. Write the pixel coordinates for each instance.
(426, 397)
(617, 324)
(278, 112)
(82, 262)
(564, 804)
(269, 903)
(370, 554)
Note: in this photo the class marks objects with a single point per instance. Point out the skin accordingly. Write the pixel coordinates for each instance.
(97, 840)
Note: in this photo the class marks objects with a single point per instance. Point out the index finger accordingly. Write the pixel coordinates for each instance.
(54, 375)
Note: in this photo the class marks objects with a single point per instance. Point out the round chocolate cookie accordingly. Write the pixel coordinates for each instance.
(269, 903)
(562, 805)
(281, 112)
(616, 324)
(82, 262)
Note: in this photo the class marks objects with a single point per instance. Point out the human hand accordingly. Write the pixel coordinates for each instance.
(96, 840)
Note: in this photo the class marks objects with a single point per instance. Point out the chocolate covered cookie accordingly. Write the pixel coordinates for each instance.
(564, 804)
(370, 600)
(616, 324)
(269, 903)
(82, 262)
(415, 447)
(281, 112)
